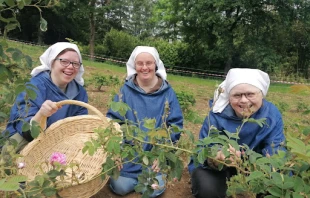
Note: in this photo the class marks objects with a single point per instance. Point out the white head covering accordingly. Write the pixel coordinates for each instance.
(151, 50)
(235, 77)
(51, 53)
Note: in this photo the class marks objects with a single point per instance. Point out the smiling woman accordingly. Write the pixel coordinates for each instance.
(59, 77)
(148, 93)
(239, 97)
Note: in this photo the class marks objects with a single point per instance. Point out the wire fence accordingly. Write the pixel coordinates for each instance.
(176, 70)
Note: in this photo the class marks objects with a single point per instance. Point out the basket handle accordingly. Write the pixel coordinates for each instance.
(74, 102)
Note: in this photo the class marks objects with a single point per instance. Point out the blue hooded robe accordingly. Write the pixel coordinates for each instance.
(266, 139)
(46, 90)
(148, 106)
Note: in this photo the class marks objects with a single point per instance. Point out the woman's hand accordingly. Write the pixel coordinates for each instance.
(235, 155)
(48, 108)
(155, 166)
(118, 162)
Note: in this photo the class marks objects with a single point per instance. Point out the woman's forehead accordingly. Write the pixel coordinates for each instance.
(244, 88)
(145, 55)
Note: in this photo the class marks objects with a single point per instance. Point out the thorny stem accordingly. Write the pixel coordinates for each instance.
(162, 145)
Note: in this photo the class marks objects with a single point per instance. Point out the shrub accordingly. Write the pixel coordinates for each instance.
(186, 100)
(100, 80)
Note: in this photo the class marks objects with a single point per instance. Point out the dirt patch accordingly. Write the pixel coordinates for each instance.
(176, 190)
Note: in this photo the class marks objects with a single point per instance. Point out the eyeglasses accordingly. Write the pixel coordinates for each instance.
(66, 63)
(248, 95)
(141, 64)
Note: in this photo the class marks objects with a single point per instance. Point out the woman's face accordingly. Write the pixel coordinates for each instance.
(62, 75)
(145, 66)
(245, 99)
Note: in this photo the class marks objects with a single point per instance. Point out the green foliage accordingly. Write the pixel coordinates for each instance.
(302, 107)
(119, 44)
(186, 100)
(193, 117)
(101, 80)
(282, 106)
(171, 53)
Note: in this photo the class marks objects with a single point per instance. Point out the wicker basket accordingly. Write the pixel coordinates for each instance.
(68, 136)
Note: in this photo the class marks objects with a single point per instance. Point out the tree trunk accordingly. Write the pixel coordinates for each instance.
(92, 29)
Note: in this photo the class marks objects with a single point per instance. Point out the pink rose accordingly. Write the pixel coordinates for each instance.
(21, 165)
(155, 186)
(58, 157)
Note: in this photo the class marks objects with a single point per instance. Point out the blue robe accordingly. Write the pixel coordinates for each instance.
(148, 106)
(266, 139)
(46, 90)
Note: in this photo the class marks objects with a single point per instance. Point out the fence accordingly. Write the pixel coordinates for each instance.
(170, 69)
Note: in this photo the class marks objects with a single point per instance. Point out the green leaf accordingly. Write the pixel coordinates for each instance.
(17, 178)
(46, 183)
(31, 93)
(139, 188)
(201, 156)
(254, 175)
(288, 185)
(9, 98)
(145, 160)
(40, 180)
(260, 122)
(3, 72)
(91, 151)
(277, 178)
(161, 157)
(275, 191)
(19, 89)
(115, 106)
(43, 24)
(1, 50)
(149, 123)
(20, 5)
(171, 157)
(297, 195)
(27, 2)
(26, 127)
(9, 186)
(35, 130)
(162, 133)
(28, 61)
(298, 184)
(10, 3)
(49, 191)
(12, 26)
(53, 174)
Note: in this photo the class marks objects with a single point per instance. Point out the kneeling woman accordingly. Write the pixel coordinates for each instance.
(240, 96)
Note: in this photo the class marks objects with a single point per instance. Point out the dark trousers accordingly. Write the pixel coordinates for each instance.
(208, 183)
